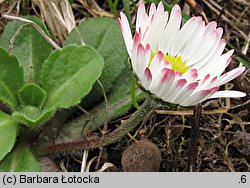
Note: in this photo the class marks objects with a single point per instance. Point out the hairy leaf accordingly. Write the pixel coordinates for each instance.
(30, 48)
(69, 74)
(119, 103)
(32, 116)
(33, 95)
(8, 132)
(11, 79)
(108, 41)
(21, 159)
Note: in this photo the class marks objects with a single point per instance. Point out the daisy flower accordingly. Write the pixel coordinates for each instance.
(180, 65)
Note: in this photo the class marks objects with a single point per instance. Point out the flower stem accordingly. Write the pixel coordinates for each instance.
(193, 148)
(97, 142)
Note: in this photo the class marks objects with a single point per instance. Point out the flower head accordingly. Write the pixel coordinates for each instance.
(180, 65)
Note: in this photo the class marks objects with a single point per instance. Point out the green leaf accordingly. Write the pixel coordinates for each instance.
(11, 79)
(69, 74)
(33, 95)
(8, 132)
(21, 159)
(30, 48)
(104, 35)
(119, 103)
(32, 116)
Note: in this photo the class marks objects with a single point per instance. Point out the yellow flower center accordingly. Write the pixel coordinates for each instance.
(176, 62)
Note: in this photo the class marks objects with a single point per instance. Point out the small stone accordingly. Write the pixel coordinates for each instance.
(141, 156)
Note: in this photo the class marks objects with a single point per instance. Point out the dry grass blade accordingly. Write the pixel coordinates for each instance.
(218, 12)
(243, 2)
(197, 9)
(59, 17)
(105, 166)
(84, 160)
(35, 26)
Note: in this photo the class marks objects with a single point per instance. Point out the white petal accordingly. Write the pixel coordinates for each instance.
(126, 32)
(137, 41)
(177, 87)
(191, 75)
(155, 32)
(157, 63)
(185, 34)
(216, 60)
(160, 7)
(155, 85)
(139, 18)
(228, 94)
(198, 97)
(146, 78)
(193, 43)
(208, 44)
(142, 59)
(171, 29)
(211, 53)
(152, 10)
(207, 83)
(186, 92)
(211, 26)
(230, 75)
(167, 80)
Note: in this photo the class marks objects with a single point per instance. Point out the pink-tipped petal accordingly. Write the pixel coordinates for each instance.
(140, 61)
(210, 27)
(156, 29)
(146, 79)
(126, 32)
(175, 90)
(191, 75)
(171, 30)
(198, 97)
(206, 49)
(152, 10)
(178, 75)
(160, 7)
(186, 32)
(139, 17)
(193, 42)
(167, 80)
(186, 92)
(205, 78)
(227, 77)
(157, 63)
